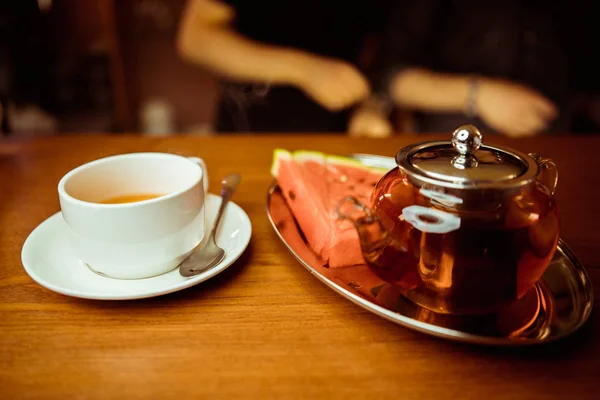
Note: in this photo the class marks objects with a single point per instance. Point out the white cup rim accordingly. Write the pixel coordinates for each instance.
(63, 181)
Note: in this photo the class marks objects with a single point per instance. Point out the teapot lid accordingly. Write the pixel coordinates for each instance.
(465, 162)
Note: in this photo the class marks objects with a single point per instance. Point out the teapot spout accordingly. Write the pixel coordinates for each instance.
(374, 239)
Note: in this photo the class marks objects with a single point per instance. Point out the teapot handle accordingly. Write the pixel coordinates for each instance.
(548, 171)
(374, 239)
(356, 206)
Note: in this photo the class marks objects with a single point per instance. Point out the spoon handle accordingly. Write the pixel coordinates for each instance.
(229, 184)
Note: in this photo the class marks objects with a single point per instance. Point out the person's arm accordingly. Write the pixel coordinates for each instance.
(425, 90)
(206, 38)
(508, 107)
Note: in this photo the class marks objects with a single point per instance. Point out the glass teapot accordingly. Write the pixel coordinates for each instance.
(460, 227)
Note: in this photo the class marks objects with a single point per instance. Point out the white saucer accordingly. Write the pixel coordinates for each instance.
(49, 260)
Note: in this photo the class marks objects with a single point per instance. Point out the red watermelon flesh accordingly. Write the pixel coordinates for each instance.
(303, 195)
(284, 220)
(312, 184)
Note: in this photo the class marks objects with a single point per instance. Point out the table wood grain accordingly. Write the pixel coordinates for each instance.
(265, 328)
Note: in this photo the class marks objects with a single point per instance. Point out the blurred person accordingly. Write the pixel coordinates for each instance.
(287, 66)
(499, 64)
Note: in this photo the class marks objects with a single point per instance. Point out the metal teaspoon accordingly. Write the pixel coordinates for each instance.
(202, 259)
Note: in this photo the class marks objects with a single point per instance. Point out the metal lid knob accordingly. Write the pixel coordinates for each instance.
(466, 140)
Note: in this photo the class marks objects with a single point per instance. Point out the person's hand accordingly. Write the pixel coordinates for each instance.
(369, 122)
(513, 109)
(332, 83)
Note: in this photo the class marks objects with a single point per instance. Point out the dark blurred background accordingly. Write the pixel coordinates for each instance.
(112, 66)
(97, 65)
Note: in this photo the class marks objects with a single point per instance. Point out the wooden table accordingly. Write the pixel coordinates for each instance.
(265, 328)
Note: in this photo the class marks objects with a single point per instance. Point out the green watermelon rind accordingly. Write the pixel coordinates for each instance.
(303, 157)
(307, 155)
(317, 156)
(351, 162)
(277, 153)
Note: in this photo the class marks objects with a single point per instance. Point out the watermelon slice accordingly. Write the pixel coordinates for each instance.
(313, 184)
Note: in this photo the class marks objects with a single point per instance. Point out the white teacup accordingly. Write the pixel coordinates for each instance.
(133, 240)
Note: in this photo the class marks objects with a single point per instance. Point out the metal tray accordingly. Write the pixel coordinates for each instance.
(559, 304)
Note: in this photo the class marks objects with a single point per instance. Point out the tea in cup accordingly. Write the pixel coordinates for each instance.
(136, 215)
